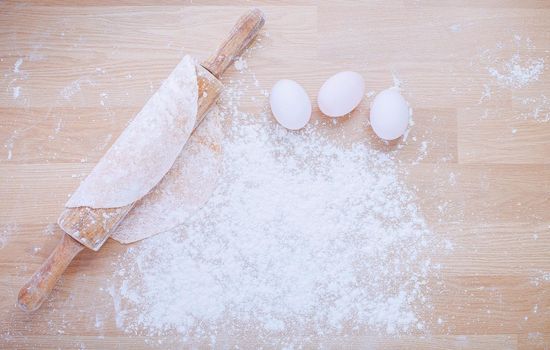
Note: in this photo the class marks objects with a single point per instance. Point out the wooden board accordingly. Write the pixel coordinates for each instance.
(86, 70)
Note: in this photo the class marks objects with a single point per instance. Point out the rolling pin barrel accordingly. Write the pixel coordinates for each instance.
(37, 289)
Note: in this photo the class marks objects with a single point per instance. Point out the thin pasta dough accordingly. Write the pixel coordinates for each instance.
(147, 148)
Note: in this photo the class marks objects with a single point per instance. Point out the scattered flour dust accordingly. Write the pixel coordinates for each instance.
(518, 70)
(536, 108)
(240, 64)
(513, 66)
(302, 236)
(6, 231)
(74, 87)
(518, 73)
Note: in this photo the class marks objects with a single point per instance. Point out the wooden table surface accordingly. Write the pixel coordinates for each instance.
(479, 151)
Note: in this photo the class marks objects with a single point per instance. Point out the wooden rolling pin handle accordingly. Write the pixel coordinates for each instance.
(37, 289)
(233, 46)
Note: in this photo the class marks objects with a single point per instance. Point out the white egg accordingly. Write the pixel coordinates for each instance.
(290, 104)
(389, 114)
(341, 93)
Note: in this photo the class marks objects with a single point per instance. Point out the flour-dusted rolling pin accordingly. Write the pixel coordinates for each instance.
(90, 226)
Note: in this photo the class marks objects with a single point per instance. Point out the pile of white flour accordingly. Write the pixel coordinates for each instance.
(302, 236)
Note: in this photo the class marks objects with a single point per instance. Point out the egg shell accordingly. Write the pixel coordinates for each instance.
(389, 114)
(341, 93)
(290, 104)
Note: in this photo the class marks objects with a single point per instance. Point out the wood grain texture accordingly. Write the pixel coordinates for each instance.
(483, 181)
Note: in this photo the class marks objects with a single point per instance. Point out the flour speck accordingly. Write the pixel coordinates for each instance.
(455, 28)
(240, 64)
(16, 92)
(17, 65)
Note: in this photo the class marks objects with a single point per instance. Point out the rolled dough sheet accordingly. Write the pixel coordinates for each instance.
(184, 189)
(147, 148)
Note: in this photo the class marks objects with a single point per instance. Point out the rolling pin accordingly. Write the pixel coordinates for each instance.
(86, 227)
